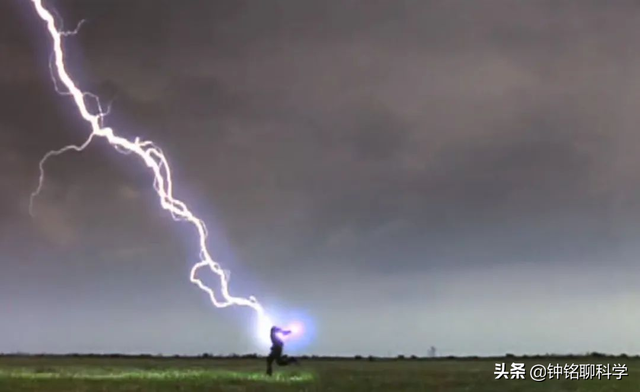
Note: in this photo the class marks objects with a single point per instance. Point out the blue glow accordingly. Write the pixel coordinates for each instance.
(302, 330)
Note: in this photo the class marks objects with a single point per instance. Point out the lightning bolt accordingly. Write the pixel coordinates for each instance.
(151, 156)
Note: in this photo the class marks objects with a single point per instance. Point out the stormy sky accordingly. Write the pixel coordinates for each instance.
(401, 174)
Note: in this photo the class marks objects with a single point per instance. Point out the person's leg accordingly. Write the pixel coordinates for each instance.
(270, 359)
(285, 360)
(280, 359)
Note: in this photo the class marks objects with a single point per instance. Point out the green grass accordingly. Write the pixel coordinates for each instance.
(71, 374)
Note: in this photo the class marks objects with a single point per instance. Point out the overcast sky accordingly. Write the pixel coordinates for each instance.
(404, 174)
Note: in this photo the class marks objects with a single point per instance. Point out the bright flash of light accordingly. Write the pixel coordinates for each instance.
(296, 329)
(152, 157)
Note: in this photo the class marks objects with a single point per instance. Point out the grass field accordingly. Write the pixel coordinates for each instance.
(71, 374)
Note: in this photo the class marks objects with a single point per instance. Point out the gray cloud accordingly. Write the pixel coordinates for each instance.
(329, 144)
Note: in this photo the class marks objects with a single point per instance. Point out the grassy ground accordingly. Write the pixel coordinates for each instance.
(166, 374)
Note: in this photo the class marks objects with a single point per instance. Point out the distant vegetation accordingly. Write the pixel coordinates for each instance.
(358, 357)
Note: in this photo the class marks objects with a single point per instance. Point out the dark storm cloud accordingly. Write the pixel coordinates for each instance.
(382, 147)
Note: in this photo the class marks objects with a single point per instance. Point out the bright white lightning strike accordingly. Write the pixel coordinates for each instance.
(153, 158)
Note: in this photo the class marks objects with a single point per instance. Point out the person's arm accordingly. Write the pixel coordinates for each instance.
(282, 331)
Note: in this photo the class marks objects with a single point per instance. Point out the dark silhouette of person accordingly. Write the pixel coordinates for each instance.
(277, 345)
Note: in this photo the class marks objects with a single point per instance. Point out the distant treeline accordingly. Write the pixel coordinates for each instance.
(371, 358)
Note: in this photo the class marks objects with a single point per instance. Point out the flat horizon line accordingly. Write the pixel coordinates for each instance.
(362, 357)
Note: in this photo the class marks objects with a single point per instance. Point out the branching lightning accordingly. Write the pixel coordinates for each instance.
(152, 157)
